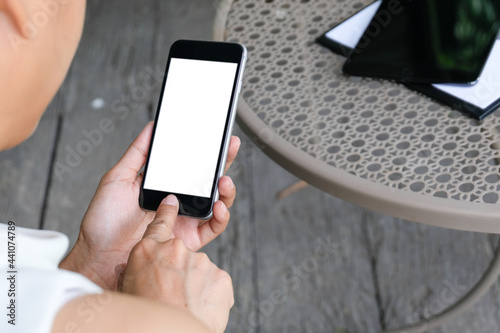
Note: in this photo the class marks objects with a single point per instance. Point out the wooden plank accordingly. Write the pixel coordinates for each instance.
(105, 84)
(182, 20)
(80, 164)
(114, 57)
(312, 252)
(421, 270)
(23, 173)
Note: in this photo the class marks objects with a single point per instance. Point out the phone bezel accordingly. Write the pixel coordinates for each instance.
(189, 205)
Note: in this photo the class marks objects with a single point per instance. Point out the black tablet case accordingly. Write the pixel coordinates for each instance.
(427, 89)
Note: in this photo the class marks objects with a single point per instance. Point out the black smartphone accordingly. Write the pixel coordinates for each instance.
(193, 125)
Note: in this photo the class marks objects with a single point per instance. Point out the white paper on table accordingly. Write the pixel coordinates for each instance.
(350, 31)
(486, 90)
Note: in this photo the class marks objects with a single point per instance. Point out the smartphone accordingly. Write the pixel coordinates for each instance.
(193, 125)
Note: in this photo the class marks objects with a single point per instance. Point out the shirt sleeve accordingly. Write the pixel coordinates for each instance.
(34, 289)
(39, 296)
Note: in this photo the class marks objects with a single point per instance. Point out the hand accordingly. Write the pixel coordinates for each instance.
(164, 269)
(114, 221)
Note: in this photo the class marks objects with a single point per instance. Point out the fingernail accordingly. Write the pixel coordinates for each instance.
(232, 184)
(170, 200)
(224, 208)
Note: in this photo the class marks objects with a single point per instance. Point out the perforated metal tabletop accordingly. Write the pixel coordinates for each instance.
(372, 142)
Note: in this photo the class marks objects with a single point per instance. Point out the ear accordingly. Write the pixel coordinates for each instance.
(16, 11)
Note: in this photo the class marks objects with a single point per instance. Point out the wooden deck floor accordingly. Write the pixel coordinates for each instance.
(308, 263)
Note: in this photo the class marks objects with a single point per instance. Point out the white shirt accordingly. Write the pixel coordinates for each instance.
(32, 287)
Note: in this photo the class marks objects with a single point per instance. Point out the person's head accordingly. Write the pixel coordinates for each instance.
(38, 39)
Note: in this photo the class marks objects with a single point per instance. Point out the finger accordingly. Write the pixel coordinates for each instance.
(227, 191)
(134, 158)
(234, 146)
(161, 229)
(215, 226)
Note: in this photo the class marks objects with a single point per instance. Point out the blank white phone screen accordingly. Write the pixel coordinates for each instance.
(190, 127)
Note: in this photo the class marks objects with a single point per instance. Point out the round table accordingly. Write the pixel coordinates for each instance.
(372, 142)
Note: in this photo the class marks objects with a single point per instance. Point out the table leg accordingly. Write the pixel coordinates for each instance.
(291, 189)
(464, 303)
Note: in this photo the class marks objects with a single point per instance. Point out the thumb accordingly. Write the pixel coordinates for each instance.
(162, 227)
